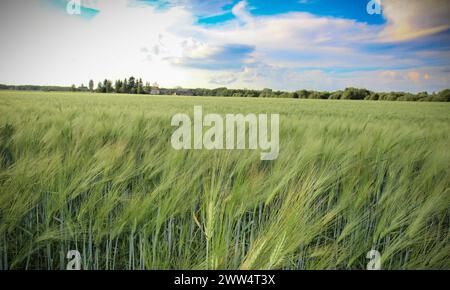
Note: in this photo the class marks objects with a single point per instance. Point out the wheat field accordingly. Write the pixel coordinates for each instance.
(97, 174)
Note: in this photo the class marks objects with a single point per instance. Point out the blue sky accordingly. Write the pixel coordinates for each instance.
(284, 45)
(348, 9)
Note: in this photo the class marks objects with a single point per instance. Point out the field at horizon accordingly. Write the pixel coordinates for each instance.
(97, 173)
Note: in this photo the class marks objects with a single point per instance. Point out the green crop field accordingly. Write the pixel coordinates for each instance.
(97, 173)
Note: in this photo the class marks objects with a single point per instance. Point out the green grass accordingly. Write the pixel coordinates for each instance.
(97, 173)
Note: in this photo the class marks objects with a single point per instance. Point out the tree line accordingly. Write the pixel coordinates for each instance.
(134, 85)
(131, 85)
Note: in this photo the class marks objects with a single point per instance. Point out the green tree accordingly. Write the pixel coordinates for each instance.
(336, 95)
(355, 94)
(147, 87)
(91, 85)
(443, 96)
(124, 89)
(303, 94)
(100, 88)
(374, 97)
(107, 86)
(118, 86)
(286, 95)
(266, 93)
(140, 87)
(132, 85)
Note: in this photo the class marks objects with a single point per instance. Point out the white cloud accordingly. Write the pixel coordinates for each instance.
(224, 79)
(241, 12)
(415, 18)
